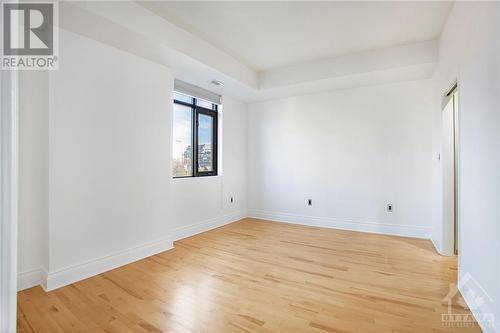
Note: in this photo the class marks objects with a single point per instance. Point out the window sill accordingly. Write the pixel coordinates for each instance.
(202, 178)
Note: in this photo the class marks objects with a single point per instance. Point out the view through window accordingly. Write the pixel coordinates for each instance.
(194, 137)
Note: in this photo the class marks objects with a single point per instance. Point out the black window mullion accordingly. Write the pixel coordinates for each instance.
(195, 142)
(195, 138)
(215, 138)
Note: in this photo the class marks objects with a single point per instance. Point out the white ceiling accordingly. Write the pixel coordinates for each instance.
(268, 35)
(129, 26)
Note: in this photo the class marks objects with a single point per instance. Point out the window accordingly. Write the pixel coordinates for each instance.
(195, 137)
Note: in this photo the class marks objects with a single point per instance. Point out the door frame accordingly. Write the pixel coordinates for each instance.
(456, 148)
(8, 199)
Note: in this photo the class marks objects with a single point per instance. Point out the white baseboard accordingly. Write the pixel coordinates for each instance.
(206, 225)
(437, 247)
(29, 279)
(486, 308)
(345, 224)
(72, 274)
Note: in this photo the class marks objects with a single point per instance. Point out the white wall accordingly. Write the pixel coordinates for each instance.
(33, 175)
(95, 168)
(469, 52)
(109, 153)
(352, 152)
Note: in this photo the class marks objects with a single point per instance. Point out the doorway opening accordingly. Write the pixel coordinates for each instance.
(450, 169)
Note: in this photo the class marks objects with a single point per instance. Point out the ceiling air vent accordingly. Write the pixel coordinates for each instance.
(217, 83)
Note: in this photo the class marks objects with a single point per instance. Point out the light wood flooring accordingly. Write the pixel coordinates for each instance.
(259, 276)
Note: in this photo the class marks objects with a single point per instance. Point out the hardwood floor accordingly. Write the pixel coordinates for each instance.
(259, 276)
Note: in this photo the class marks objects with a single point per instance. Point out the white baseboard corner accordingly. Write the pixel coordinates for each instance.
(344, 224)
(437, 247)
(196, 228)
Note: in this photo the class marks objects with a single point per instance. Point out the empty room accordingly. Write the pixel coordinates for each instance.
(250, 166)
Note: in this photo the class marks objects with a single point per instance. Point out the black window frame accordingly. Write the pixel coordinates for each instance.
(195, 111)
